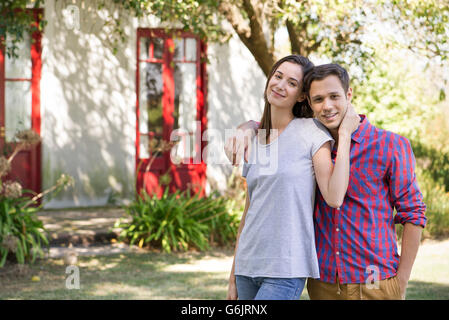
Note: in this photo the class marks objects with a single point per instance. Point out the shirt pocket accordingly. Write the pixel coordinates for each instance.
(364, 183)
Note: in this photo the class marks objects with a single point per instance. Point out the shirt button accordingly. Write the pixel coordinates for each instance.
(337, 229)
(338, 253)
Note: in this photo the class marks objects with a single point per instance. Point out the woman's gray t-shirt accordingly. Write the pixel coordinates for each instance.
(278, 238)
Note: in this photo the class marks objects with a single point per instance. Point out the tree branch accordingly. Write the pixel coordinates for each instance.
(253, 37)
(233, 16)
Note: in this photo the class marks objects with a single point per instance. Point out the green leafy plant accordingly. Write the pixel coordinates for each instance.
(17, 20)
(22, 234)
(179, 221)
(222, 220)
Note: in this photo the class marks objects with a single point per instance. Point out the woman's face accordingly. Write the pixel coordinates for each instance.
(285, 86)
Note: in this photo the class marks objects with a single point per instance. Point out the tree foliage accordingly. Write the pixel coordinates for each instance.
(16, 22)
(334, 28)
(326, 27)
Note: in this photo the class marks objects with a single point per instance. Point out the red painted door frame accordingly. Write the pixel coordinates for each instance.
(27, 164)
(184, 176)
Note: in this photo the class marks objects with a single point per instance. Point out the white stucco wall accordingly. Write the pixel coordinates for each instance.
(236, 85)
(88, 103)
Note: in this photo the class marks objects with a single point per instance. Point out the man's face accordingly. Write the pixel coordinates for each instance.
(329, 101)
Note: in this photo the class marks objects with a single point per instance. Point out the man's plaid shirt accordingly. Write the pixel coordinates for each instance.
(360, 237)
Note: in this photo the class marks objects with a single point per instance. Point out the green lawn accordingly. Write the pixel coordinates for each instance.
(151, 275)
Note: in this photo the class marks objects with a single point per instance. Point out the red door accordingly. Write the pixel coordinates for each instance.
(171, 94)
(20, 108)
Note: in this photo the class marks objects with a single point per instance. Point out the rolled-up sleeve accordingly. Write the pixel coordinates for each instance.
(404, 191)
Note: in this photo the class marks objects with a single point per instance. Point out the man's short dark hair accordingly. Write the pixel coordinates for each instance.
(323, 71)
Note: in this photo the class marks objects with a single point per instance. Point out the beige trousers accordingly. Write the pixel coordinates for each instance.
(387, 289)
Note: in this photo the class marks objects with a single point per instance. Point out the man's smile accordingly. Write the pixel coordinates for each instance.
(330, 116)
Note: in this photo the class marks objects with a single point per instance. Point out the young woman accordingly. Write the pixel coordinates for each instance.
(275, 249)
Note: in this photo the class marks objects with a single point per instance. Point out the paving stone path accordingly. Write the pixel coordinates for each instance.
(83, 231)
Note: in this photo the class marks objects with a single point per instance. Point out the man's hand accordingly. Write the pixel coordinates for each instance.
(351, 121)
(240, 144)
(403, 281)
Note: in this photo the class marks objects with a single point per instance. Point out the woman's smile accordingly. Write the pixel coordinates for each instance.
(276, 94)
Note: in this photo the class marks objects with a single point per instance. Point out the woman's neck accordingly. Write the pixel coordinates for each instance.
(280, 117)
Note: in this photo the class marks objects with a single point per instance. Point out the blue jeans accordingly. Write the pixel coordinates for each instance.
(262, 288)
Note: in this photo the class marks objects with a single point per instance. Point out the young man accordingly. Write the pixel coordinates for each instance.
(356, 244)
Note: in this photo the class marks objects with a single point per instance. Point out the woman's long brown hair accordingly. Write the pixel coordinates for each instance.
(300, 109)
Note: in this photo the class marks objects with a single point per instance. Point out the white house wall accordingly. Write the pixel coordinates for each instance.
(88, 103)
(235, 94)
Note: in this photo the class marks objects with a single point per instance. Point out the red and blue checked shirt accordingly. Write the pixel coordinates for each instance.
(358, 242)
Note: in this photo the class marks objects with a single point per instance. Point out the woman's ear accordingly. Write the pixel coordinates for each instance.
(301, 97)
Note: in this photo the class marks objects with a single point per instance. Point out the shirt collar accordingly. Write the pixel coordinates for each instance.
(362, 130)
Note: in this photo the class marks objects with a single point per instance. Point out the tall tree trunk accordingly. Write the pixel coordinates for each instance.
(294, 38)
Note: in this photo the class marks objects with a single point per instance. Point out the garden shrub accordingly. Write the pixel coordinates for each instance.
(22, 234)
(179, 221)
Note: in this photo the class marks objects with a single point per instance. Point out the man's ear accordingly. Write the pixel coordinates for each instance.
(349, 94)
